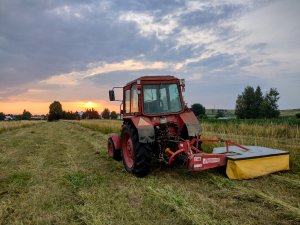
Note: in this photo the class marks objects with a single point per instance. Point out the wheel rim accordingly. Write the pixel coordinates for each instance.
(128, 151)
(110, 148)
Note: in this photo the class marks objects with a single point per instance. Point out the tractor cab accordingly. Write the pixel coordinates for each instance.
(152, 96)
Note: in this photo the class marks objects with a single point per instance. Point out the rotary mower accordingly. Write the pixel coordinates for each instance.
(158, 125)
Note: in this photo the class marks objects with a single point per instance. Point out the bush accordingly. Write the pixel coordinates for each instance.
(220, 113)
(113, 115)
(105, 114)
(26, 115)
(2, 116)
(91, 114)
(298, 115)
(198, 109)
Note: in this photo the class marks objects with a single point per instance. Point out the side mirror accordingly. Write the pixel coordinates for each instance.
(182, 84)
(111, 95)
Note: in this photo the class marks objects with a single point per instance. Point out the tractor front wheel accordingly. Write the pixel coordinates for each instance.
(112, 151)
(136, 155)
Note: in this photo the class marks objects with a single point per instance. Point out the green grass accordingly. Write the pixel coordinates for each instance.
(19, 179)
(60, 173)
(10, 125)
(284, 114)
(103, 126)
(76, 180)
(289, 112)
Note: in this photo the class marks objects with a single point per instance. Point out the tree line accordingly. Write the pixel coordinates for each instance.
(56, 112)
(26, 115)
(250, 104)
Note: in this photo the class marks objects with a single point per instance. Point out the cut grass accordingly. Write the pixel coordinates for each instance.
(76, 180)
(20, 179)
(60, 173)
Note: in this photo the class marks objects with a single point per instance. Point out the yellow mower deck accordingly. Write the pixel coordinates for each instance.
(255, 162)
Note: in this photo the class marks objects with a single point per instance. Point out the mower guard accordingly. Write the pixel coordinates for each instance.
(254, 162)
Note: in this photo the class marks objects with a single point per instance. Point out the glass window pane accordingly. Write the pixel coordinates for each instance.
(127, 101)
(161, 98)
(175, 105)
(134, 99)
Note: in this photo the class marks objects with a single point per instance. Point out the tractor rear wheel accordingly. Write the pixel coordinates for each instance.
(112, 152)
(136, 155)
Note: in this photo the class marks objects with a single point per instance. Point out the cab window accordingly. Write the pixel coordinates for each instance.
(127, 101)
(161, 98)
(134, 99)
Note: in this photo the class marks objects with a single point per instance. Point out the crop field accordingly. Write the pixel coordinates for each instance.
(60, 173)
(9, 125)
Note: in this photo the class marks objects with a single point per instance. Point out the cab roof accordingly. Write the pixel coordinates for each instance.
(154, 78)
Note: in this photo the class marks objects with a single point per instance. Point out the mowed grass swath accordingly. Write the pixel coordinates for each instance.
(60, 173)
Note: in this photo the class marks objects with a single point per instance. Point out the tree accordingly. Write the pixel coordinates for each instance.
(252, 104)
(198, 109)
(113, 115)
(55, 111)
(245, 104)
(220, 113)
(90, 114)
(269, 107)
(258, 101)
(70, 115)
(26, 115)
(2, 116)
(105, 114)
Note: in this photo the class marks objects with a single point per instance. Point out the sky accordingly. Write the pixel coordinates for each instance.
(75, 51)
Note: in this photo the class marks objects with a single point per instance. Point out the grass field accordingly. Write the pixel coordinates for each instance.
(285, 113)
(60, 173)
(9, 125)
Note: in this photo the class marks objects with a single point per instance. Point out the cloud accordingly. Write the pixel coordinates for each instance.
(76, 50)
(148, 26)
(46, 39)
(74, 78)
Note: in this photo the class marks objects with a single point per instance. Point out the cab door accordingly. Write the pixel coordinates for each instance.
(131, 101)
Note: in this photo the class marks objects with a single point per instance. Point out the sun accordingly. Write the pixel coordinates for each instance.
(89, 105)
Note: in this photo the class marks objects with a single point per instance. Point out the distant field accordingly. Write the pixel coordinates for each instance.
(60, 173)
(104, 126)
(289, 112)
(9, 125)
(230, 112)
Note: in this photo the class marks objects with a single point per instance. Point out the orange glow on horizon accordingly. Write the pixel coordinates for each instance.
(42, 108)
(90, 105)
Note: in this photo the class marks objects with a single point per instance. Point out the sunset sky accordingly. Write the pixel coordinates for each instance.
(75, 51)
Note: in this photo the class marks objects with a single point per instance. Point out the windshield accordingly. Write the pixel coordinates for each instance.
(161, 98)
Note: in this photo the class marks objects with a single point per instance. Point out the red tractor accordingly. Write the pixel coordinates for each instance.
(158, 124)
